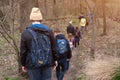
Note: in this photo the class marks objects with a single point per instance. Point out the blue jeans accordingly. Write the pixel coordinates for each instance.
(67, 65)
(44, 73)
(61, 69)
(82, 29)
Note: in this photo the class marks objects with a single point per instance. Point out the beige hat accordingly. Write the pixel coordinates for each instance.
(35, 14)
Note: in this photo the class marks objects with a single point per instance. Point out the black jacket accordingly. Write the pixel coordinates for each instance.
(26, 39)
(70, 29)
(69, 52)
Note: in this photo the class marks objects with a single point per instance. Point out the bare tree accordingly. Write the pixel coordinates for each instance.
(104, 18)
(102, 2)
(36, 3)
(92, 18)
(9, 35)
(25, 7)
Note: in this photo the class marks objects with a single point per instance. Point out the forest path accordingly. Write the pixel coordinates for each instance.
(74, 68)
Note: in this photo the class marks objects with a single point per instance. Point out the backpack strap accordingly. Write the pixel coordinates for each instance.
(33, 33)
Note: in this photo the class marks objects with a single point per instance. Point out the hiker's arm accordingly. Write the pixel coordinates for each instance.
(25, 46)
(53, 46)
(23, 50)
(69, 52)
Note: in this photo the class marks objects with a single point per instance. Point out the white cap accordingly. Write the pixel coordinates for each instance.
(70, 22)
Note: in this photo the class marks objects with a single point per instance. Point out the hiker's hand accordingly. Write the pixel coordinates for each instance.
(68, 60)
(56, 64)
(24, 69)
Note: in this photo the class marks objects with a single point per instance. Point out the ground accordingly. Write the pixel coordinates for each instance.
(107, 53)
(82, 66)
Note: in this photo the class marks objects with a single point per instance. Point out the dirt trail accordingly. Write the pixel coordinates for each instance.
(106, 53)
(74, 69)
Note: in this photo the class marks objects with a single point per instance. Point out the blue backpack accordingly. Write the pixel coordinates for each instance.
(41, 53)
(61, 46)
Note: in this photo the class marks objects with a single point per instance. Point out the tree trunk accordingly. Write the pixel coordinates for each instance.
(104, 18)
(25, 9)
(93, 35)
(36, 3)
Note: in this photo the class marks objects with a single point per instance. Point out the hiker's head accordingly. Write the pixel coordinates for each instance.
(36, 15)
(70, 22)
(76, 28)
(57, 31)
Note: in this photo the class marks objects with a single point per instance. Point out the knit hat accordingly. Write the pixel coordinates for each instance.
(35, 14)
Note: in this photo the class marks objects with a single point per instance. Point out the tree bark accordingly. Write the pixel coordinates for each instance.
(36, 3)
(104, 18)
(25, 9)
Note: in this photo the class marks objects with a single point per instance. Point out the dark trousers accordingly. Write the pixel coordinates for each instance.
(44, 73)
(77, 43)
(77, 39)
(61, 69)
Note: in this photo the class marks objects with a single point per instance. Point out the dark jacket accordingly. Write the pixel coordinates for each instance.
(77, 36)
(26, 39)
(70, 29)
(68, 53)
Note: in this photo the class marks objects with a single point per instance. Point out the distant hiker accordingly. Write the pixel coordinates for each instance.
(71, 41)
(82, 23)
(64, 51)
(70, 28)
(38, 48)
(71, 33)
(77, 37)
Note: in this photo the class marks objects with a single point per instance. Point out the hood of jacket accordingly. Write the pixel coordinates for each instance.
(40, 27)
(60, 36)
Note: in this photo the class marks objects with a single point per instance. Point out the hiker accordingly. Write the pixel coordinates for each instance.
(71, 41)
(77, 37)
(70, 28)
(64, 51)
(71, 33)
(82, 23)
(38, 48)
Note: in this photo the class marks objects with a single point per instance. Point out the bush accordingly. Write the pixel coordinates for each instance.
(116, 74)
(8, 78)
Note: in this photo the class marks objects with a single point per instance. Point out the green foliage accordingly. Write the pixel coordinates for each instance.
(8, 78)
(116, 74)
(81, 77)
(76, 23)
(15, 78)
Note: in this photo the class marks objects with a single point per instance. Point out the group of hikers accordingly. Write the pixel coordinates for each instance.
(74, 33)
(42, 50)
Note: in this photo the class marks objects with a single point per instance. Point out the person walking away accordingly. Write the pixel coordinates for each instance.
(70, 28)
(77, 37)
(65, 54)
(38, 48)
(71, 41)
(82, 24)
(71, 33)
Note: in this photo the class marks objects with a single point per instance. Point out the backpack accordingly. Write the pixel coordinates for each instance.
(41, 53)
(61, 46)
